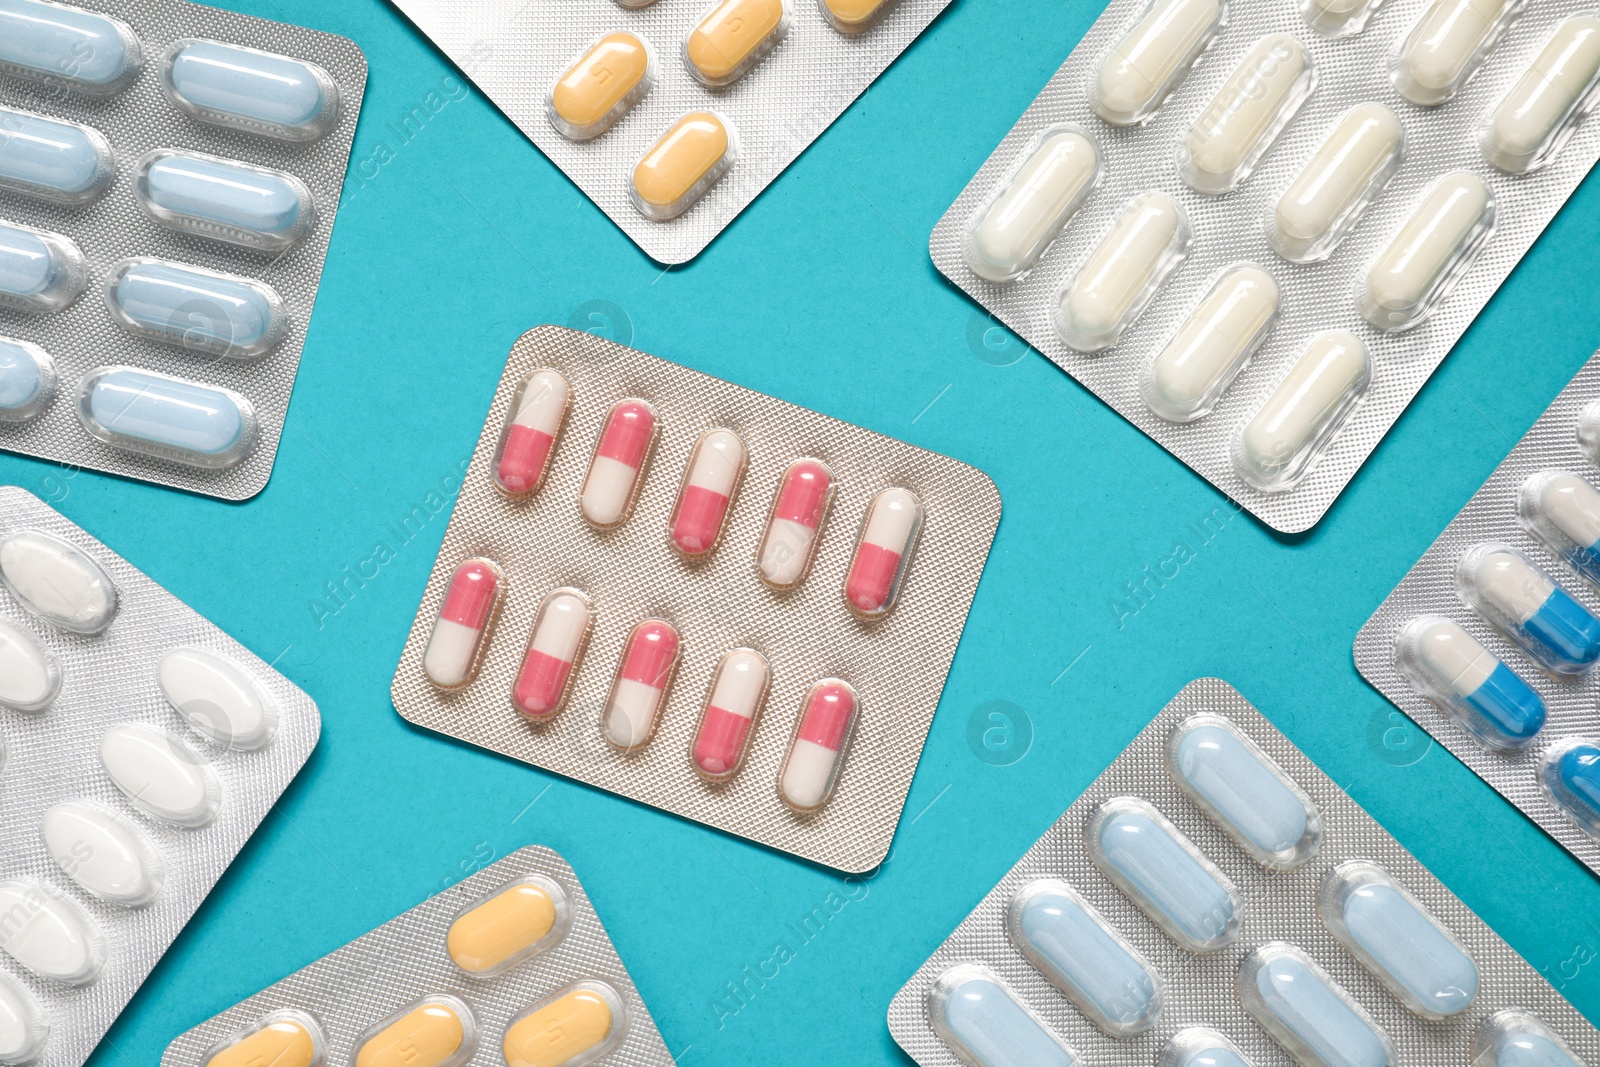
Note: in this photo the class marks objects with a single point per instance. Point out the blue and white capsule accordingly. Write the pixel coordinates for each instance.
(40, 272)
(1517, 1039)
(195, 309)
(55, 44)
(27, 380)
(48, 159)
(225, 200)
(1563, 511)
(245, 89)
(1308, 1013)
(169, 418)
(1511, 593)
(985, 1025)
(1571, 778)
(1469, 683)
(1201, 1047)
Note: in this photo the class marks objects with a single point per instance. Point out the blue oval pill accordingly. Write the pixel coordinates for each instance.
(246, 89)
(27, 380)
(1199, 1047)
(201, 310)
(981, 1020)
(39, 271)
(1181, 891)
(53, 160)
(1572, 777)
(1518, 1039)
(219, 198)
(88, 52)
(1314, 1020)
(170, 418)
(1246, 795)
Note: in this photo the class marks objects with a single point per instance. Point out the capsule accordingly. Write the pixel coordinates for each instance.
(24, 1030)
(169, 418)
(608, 79)
(816, 755)
(27, 380)
(534, 420)
(1512, 594)
(1482, 695)
(1277, 446)
(1563, 511)
(56, 44)
(56, 581)
(555, 649)
(733, 37)
(30, 677)
(1531, 123)
(1446, 45)
(49, 935)
(683, 165)
(738, 692)
(1432, 249)
(716, 467)
(225, 200)
(198, 310)
(576, 1026)
(1338, 18)
(983, 1022)
(438, 1031)
(854, 16)
(1242, 121)
(40, 271)
(1144, 245)
(1152, 58)
(282, 1039)
(161, 774)
(1345, 174)
(512, 924)
(883, 554)
(1200, 1047)
(49, 159)
(244, 89)
(640, 688)
(1010, 232)
(1308, 1013)
(798, 512)
(616, 473)
(1571, 778)
(1186, 378)
(1518, 1039)
(106, 855)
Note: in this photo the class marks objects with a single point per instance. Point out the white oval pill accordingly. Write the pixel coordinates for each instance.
(1013, 231)
(1184, 381)
(217, 697)
(1346, 173)
(1535, 118)
(1279, 442)
(161, 775)
(1446, 45)
(1429, 251)
(57, 582)
(50, 935)
(1244, 118)
(29, 676)
(1152, 58)
(106, 855)
(1145, 244)
(23, 1027)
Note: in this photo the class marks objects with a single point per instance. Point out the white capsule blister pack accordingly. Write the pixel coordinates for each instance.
(1254, 228)
(1215, 899)
(510, 967)
(1491, 639)
(169, 178)
(699, 597)
(140, 747)
(705, 101)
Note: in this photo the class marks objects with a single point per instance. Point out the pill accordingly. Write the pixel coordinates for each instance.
(733, 37)
(1395, 938)
(1485, 697)
(1199, 1047)
(738, 691)
(1526, 129)
(1244, 792)
(1518, 1039)
(430, 1034)
(195, 309)
(49, 934)
(512, 924)
(24, 1030)
(534, 420)
(1145, 244)
(816, 755)
(640, 688)
(27, 380)
(883, 554)
(854, 16)
(1430, 250)
(86, 52)
(1504, 587)
(30, 678)
(217, 697)
(555, 649)
(592, 94)
(1256, 102)
(1147, 858)
(1011, 232)
(974, 1013)
(683, 165)
(1328, 194)
(40, 272)
(170, 418)
(1188, 376)
(716, 467)
(261, 209)
(1152, 58)
(616, 473)
(1338, 18)
(161, 775)
(106, 855)
(57, 582)
(53, 160)
(798, 511)
(1571, 776)
(1445, 45)
(1563, 511)
(1277, 446)
(1307, 1012)
(244, 89)
(466, 615)
(576, 1026)
(1069, 943)
(284, 1039)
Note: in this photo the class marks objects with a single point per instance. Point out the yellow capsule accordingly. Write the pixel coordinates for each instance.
(576, 1026)
(503, 930)
(279, 1042)
(679, 168)
(854, 16)
(597, 90)
(733, 37)
(429, 1035)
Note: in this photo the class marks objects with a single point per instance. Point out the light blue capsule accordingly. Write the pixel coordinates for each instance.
(987, 1026)
(1518, 1039)
(53, 160)
(1307, 1013)
(1571, 776)
(27, 380)
(258, 208)
(87, 52)
(244, 89)
(1199, 1047)
(1243, 792)
(39, 271)
(169, 418)
(199, 310)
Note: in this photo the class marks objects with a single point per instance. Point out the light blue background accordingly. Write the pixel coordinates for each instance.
(456, 237)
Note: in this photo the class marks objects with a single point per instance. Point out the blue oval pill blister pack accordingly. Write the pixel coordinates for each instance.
(169, 176)
(1215, 900)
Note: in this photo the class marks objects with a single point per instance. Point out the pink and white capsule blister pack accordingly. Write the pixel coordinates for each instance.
(699, 597)
(140, 747)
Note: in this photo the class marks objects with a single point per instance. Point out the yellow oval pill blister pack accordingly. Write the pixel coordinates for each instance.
(140, 747)
(509, 966)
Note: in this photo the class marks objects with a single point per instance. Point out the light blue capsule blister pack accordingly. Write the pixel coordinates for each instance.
(169, 177)
(1491, 640)
(1214, 900)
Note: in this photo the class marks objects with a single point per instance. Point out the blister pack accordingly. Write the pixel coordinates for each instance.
(509, 967)
(169, 177)
(1214, 900)
(699, 597)
(140, 747)
(1490, 640)
(672, 116)
(1254, 229)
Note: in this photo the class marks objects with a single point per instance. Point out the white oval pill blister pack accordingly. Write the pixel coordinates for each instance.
(1491, 640)
(699, 597)
(1214, 900)
(140, 747)
(169, 179)
(1255, 228)
(510, 966)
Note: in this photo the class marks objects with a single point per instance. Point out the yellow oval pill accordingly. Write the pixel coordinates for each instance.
(854, 16)
(733, 38)
(601, 86)
(430, 1035)
(682, 165)
(280, 1043)
(573, 1028)
(502, 930)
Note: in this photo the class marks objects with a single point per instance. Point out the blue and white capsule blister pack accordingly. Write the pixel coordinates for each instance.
(169, 178)
(1255, 228)
(140, 747)
(1214, 900)
(1490, 642)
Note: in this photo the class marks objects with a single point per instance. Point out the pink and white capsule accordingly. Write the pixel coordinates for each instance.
(714, 473)
(451, 658)
(532, 425)
(554, 650)
(791, 537)
(736, 698)
(617, 470)
(641, 685)
(817, 752)
(884, 552)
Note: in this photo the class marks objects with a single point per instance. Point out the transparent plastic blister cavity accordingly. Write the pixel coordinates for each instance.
(509, 966)
(698, 597)
(140, 747)
(1325, 943)
(169, 178)
(1377, 167)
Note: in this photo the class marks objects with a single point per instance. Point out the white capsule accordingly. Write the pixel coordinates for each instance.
(57, 582)
(1445, 46)
(217, 697)
(106, 855)
(1431, 250)
(1276, 447)
(1247, 114)
(1011, 232)
(1345, 174)
(49, 934)
(1152, 58)
(29, 675)
(1144, 245)
(161, 775)
(1185, 380)
(23, 1027)
(1535, 118)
